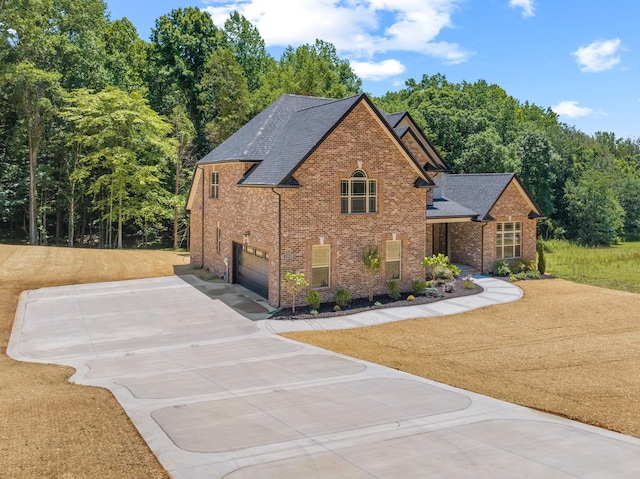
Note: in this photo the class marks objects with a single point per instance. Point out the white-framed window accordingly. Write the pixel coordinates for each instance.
(213, 191)
(218, 239)
(358, 194)
(393, 259)
(320, 266)
(509, 240)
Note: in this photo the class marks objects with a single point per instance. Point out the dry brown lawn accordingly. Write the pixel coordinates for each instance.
(49, 427)
(565, 348)
(570, 349)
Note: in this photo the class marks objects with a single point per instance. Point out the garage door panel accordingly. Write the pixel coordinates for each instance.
(252, 269)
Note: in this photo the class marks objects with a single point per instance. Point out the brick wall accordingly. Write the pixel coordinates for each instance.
(465, 243)
(313, 210)
(236, 211)
(512, 206)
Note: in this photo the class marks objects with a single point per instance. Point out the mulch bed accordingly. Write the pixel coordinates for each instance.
(363, 304)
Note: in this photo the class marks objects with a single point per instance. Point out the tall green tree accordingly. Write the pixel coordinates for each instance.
(34, 94)
(314, 70)
(224, 97)
(181, 44)
(184, 133)
(126, 56)
(596, 217)
(484, 152)
(126, 147)
(249, 49)
(537, 167)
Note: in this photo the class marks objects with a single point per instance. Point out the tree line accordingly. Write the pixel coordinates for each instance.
(587, 185)
(100, 130)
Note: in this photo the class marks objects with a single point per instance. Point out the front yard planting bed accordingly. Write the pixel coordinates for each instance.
(358, 305)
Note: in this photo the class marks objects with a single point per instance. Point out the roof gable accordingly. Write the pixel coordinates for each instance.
(283, 135)
(479, 192)
(303, 132)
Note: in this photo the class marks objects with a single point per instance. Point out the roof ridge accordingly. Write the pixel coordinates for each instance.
(330, 101)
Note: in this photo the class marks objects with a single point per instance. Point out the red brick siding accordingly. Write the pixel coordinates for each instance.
(313, 210)
(465, 243)
(512, 206)
(236, 210)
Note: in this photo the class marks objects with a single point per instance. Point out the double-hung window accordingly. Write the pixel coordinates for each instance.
(509, 240)
(320, 266)
(213, 192)
(358, 194)
(393, 259)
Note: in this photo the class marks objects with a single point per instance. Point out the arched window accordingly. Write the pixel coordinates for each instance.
(358, 194)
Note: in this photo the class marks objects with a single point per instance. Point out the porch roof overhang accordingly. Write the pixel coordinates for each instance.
(447, 211)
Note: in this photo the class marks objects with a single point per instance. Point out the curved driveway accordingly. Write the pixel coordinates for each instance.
(215, 394)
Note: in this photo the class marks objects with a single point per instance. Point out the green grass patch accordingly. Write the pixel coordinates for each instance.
(615, 267)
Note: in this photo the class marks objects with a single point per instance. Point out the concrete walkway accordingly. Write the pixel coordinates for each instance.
(495, 291)
(218, 395)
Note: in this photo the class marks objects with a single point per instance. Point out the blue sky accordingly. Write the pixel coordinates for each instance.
(579, 57)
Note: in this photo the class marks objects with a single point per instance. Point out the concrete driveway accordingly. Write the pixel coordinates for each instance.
(216, 394)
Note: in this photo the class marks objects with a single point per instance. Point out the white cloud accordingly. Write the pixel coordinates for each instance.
(377, 71)
(598, 56)
(359, 28)
(526, 5)
(571, 109)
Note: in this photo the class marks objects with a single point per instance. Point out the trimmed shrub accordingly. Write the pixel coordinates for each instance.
(336, 308)
(542, 262)
(313, 299)
(418, 287)
(411, 297)
(394, 289)
(342, 297)
(468, 283)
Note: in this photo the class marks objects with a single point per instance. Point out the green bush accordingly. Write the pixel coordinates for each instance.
(411, 298)
(418, 287)
(313, 299)
(336, 308)
(468, 283)
(535, 274)
(454, 270)
(542, 262)
(502, 268)
(394, 289)
(444, 273)
(342, 297)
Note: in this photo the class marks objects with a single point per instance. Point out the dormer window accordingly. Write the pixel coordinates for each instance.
(358, 194)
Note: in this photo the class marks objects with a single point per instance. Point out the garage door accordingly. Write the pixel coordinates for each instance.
(251, 268)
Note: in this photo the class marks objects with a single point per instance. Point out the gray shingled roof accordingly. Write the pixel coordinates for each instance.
(394, 118)
(254, 140)
(304, 131)
(477, 192)
(443, 208)
(283, 135)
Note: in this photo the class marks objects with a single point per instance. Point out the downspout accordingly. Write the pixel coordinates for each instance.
(482, 247)
(279, 246)
(202, 223)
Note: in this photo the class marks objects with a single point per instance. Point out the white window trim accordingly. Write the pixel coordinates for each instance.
(322, 265)
(500, 232)
(397, 259)
(214, 184)
(359, 175)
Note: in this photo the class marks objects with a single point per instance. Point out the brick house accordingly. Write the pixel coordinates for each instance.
(309, 183)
